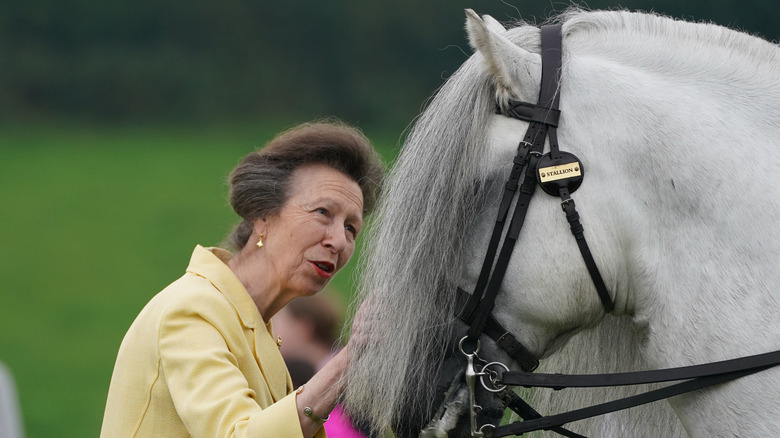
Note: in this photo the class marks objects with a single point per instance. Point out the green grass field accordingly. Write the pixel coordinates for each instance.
(95, 221)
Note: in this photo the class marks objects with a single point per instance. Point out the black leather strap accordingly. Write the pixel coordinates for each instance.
(552, 35)
(521, 158)
(579, 236)
(554, 421)
(533, 113)
(552, 63)
(536, 136)
(504, 339)
(559, 381)
(526, 412)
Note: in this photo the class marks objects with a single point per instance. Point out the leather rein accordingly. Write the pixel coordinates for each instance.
(559, 174)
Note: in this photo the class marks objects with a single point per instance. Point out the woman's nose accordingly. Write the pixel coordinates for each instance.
(336, 239)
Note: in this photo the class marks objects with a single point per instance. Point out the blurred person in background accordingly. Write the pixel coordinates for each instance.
(308, 330)
(10, 416)
(201, 358)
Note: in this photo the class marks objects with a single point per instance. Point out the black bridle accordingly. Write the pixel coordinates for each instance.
(559, 174)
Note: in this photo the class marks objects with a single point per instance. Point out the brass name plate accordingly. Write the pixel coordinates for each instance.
(554, 173)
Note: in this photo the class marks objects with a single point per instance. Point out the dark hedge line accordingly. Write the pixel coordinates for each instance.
(363, 60)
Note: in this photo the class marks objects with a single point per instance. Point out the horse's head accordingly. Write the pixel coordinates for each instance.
(536, 316)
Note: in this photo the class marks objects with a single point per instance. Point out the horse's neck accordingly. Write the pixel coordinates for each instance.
(689, 163)
(687, 169)
(610, 347)
(702, 72)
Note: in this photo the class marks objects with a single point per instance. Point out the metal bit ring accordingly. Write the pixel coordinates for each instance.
(460, 347)
(493, 387)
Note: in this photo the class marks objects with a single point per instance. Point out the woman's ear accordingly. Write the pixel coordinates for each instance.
(259, 227)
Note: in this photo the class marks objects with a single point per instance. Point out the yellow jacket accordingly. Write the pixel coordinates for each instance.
(199, 361)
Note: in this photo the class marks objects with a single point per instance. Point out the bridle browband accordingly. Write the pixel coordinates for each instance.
(559, 174)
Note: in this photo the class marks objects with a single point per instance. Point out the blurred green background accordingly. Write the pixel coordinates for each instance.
(119, 122)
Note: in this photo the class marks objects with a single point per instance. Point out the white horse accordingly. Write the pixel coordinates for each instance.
(678, 127)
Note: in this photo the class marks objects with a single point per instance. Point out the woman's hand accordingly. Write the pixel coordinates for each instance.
(322, 392)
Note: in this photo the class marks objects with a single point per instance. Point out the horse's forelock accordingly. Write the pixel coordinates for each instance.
(412, 261)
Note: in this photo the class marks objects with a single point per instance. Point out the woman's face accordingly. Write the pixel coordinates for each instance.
(313, 236)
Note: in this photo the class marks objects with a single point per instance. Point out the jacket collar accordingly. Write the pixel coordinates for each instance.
(211, 264)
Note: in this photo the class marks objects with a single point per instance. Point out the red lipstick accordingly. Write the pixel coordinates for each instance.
(324, 269)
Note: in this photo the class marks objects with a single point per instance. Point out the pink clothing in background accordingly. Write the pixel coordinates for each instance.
(339, 425)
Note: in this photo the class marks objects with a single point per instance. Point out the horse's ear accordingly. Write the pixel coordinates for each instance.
(493, 24)
(517, 72)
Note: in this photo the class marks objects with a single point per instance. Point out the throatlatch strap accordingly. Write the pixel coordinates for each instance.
(579, 236)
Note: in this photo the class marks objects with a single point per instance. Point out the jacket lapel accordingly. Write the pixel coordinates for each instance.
(271, 362)
(211, 263)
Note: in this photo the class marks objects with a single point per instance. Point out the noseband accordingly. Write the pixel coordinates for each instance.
(559, 174)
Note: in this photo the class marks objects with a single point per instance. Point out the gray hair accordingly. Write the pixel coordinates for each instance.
(259, 185)
(413, 258)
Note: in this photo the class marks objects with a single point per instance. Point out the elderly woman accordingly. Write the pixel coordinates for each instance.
(201, 359)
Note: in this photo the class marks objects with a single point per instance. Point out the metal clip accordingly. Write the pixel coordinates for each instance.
(471, 380)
